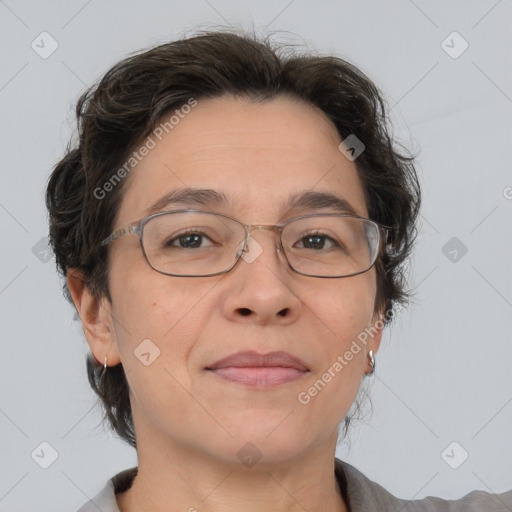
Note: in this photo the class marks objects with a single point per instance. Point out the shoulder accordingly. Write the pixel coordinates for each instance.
(364, 495)
(105, 500)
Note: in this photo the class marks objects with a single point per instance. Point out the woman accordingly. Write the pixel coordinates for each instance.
(233, 226)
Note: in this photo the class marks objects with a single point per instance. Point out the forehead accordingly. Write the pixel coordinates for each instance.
(257, 155)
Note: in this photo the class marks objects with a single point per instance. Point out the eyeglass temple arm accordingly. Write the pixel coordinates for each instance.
(118, 233)
(387, 231)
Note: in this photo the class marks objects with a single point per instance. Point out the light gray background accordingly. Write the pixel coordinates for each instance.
(443, 372)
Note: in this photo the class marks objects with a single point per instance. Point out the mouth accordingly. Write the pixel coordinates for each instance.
(259, 370)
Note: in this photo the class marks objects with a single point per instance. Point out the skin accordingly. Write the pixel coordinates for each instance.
(188, 421)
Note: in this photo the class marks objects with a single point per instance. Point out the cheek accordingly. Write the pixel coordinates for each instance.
(343, 316)
(345, 309)
(155, 307)
(344, 313)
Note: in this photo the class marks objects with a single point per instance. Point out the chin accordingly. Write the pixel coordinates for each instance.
(270, 439)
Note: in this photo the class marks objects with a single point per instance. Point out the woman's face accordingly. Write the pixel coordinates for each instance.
(257, 155)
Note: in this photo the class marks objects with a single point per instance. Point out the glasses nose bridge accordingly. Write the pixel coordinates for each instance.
(267, 227)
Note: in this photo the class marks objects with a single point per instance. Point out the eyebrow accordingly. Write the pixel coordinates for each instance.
(208, 197)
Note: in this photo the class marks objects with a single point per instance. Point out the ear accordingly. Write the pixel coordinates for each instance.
(97, 320)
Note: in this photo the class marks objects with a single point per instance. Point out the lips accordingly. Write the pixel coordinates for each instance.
(260, 370)
(255, 360)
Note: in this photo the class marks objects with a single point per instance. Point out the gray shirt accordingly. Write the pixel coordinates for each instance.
(359, 493)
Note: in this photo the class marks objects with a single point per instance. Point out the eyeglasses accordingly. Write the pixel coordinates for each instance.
(196, 243)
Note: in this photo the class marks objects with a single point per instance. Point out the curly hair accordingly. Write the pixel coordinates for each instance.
(126, 105)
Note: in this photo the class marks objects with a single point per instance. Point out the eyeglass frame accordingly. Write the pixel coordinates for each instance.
(137, 228)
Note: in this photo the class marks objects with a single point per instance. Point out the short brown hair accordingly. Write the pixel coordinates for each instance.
(114, 115)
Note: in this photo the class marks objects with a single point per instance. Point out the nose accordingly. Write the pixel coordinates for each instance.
(261, 287)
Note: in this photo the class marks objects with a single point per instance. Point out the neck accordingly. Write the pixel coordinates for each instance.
(189, 480)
